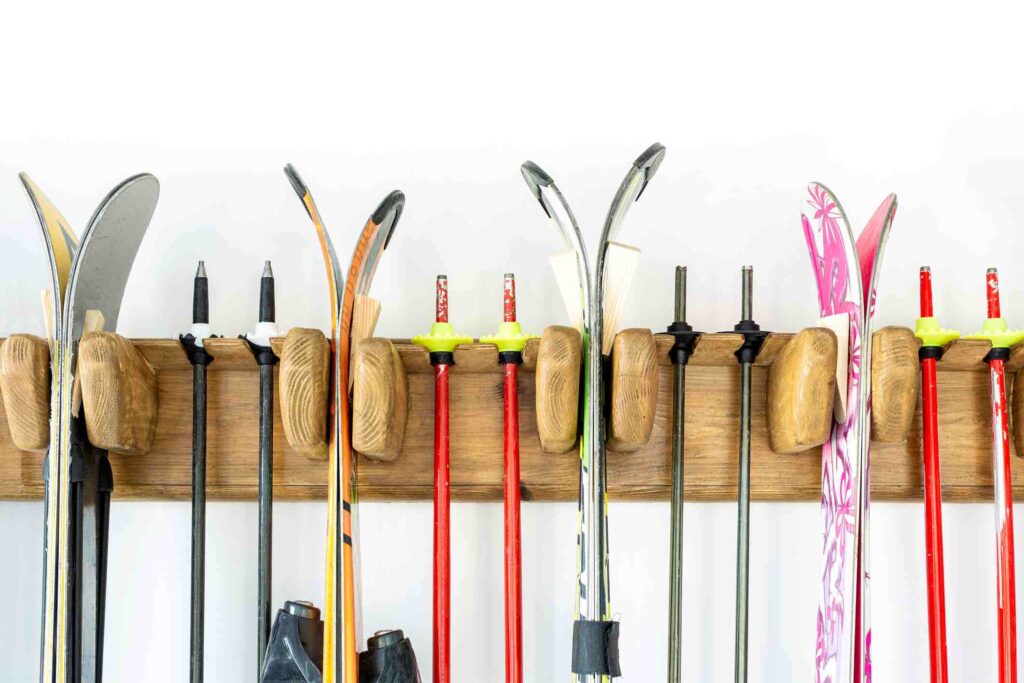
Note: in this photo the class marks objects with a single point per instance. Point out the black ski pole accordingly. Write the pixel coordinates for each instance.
(753, 338)
(685, 339)
(199, 357)
(259, 344)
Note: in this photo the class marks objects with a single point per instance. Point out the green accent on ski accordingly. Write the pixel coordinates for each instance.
(931, 333)
(510, 337)
(995, 331)
(442, 338)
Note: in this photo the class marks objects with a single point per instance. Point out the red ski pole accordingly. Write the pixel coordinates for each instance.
(994, 329)
(510, 341)
(441, 343)
(933, 340)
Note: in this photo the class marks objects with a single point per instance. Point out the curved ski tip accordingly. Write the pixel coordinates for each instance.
(651, 159)
(388, 213)
(535, 176)
(295, 180)
(146, 183)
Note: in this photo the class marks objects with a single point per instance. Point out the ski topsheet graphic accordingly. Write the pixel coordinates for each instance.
(846, 272)
(89, 283)
(593, 302)
(353, 315)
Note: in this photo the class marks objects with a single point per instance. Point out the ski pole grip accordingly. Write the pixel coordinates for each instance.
(380, 399)
(801, 388)
(895, 376)
(634, 390)
(118, 394)
(305, 382)
(558, 388)
(25, 387)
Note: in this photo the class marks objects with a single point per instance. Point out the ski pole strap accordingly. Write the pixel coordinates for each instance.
(753, 338)
(686, 340)
(197, 355)
(595, 648)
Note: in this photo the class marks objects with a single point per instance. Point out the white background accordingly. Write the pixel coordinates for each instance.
(445, 103)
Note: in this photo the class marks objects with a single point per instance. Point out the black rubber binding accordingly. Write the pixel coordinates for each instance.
(197, 355)
(505, 357)
(999, 353)
(686, 340)
(595, 648)
(753, 339)
(442, 358)
(295, 650)
(389, 658)
(926, 352)
(264, 355)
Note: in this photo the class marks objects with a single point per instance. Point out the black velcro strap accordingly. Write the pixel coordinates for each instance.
(595, 648)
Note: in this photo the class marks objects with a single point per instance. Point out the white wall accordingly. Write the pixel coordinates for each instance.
(445, 103)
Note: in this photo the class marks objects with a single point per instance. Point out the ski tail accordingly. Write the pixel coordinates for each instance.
(870, 248)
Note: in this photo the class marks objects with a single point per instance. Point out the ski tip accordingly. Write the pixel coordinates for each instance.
(201, 270)
(535, 176)
(295, 180)
(267, 270)
(388, 213)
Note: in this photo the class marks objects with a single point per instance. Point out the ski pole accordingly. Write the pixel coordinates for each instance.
(994, 329)
(199, 359)
(441, 343)
(510, 341)
(685, 339)
(933, 340)
(259, 344)
(753, 338)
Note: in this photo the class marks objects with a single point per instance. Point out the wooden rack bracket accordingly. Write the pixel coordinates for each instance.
(380, 400)
(25, 385)
(558, 388)
(634, 390)
(801, 389)
(305, 381)
(712, 413)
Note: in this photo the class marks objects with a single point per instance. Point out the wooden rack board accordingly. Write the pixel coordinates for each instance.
(476, 435)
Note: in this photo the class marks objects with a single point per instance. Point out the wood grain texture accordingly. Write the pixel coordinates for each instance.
(380, 400)
(634, 390)
(118, 394)
(895, 379)
(25, 387)
(801, 389)
(1016, 394)
(558, 388)
(711, 433)
(305, 382)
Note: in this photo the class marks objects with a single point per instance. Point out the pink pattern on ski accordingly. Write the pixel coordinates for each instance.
(831, 253)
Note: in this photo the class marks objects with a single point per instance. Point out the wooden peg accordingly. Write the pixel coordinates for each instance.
(305, 381)
(801, 389)
(558, 388)
(895, 377)
(1017, 413)
(25, 385)
(634, 389)
(380, 400)
(118, 393)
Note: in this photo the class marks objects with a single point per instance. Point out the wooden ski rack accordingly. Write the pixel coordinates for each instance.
(164, 472)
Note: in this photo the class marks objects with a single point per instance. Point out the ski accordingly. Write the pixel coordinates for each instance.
(199, 358)
(595, 635)
(78, 514)
(352, 314)
(995, 331)
(846, 273)
(933, 341)
(61, 248)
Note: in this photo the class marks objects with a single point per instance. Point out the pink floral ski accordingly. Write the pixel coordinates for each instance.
(840, 266)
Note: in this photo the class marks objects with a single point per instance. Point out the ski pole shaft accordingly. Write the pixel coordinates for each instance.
(675, 608)
(513, 551)
(442, 502)
(198, 522)
(266, 501)
(751, 345)
(929, 354)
